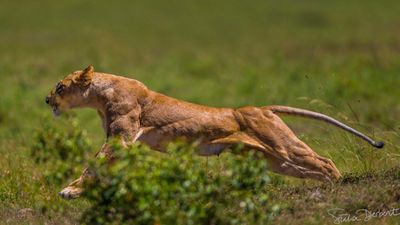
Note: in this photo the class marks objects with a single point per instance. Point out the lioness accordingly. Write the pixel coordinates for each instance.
(130, 111)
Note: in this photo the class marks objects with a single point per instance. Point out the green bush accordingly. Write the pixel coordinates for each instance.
(61, 147)
(148, 187)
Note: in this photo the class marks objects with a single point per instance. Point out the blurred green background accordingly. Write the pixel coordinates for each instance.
(340, 58)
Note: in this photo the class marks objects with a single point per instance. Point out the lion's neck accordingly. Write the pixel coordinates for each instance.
(113, 97)
(102, 92)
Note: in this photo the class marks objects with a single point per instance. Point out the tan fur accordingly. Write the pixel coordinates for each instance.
(128, 109)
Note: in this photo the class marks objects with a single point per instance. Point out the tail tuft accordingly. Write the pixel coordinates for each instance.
(379, 144)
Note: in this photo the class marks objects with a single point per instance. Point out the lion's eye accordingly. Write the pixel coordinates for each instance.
(59, 88)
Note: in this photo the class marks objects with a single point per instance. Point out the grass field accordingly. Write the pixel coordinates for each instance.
(340, 58)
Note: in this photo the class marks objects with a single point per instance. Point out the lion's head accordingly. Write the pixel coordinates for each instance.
(69, 92)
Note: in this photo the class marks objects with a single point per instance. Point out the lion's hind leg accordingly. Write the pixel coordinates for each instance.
(285, 152)
(300, 170)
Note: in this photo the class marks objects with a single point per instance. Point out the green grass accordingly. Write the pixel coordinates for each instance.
(341, 58)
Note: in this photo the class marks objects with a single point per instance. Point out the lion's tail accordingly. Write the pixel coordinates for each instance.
(318, 116)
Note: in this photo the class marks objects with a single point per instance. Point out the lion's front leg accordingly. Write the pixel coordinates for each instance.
(127, 129)
(76, 188)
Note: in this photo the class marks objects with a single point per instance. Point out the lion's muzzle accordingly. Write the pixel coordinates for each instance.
(49, 101)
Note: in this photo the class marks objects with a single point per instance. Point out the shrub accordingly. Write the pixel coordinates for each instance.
(148, 187)
(61, 147)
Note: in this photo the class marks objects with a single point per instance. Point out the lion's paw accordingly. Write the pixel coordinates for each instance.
(70, 192)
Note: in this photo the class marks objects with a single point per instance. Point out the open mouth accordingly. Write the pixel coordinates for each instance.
(56, 111)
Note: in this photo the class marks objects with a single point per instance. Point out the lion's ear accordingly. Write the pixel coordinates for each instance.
(85, 78)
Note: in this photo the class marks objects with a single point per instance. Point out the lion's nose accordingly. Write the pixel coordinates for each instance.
(47, 100)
